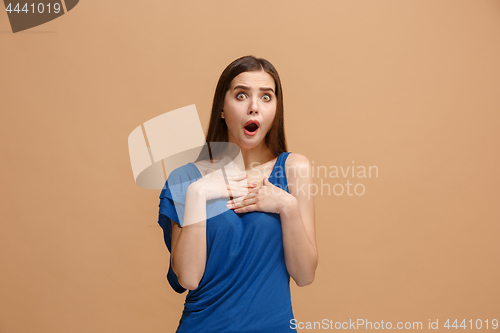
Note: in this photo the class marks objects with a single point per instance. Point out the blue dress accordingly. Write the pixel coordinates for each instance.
(246, 286)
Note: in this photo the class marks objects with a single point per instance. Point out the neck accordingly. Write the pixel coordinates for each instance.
(256, 156)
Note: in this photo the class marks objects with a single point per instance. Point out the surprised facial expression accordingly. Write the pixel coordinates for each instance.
(250, 99)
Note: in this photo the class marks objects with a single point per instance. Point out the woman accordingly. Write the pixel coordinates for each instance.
(237, 264)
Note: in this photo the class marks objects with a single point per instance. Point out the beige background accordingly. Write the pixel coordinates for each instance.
(408, 86)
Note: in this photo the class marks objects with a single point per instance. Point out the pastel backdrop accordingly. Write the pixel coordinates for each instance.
(410, 87)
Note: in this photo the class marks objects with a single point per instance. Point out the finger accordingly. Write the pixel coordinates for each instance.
(246, 209)
(240, 194)
(238, 176)
(244, 186)
(241, 198)
(241, 182)
(267, 182)
(237, 193)
(242, 189)
(248, 195)
(243, 203)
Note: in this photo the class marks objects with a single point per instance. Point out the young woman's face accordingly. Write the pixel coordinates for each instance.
(251, 96)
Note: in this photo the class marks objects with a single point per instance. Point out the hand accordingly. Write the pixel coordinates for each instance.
(214, 186)
(268, 198)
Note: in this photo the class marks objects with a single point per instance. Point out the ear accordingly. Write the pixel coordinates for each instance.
(222, 114)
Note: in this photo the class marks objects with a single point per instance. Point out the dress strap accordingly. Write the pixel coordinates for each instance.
(278, 176)
(282, 159)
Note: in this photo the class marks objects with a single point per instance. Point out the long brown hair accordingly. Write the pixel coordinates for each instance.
(217, 128)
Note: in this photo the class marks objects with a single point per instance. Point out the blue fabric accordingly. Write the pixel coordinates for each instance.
(245, 287)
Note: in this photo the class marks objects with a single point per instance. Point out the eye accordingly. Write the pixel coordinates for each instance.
(266, 98)
(240, 96)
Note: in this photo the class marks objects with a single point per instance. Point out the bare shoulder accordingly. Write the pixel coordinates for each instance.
(297, 165)
(298, 173)
(299, 179)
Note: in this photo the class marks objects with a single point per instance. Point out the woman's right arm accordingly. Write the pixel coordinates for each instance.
(188, 254)
(189, 243)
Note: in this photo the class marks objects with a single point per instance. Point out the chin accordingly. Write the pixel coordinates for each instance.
(245, 144)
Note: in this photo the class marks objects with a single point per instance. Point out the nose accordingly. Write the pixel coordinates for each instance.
(253, 108)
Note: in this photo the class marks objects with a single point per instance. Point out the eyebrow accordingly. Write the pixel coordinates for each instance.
(247, 88)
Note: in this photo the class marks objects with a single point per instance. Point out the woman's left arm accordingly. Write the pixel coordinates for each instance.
(298, 221)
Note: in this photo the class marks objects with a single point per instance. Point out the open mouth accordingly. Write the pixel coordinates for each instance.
(251, 127)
